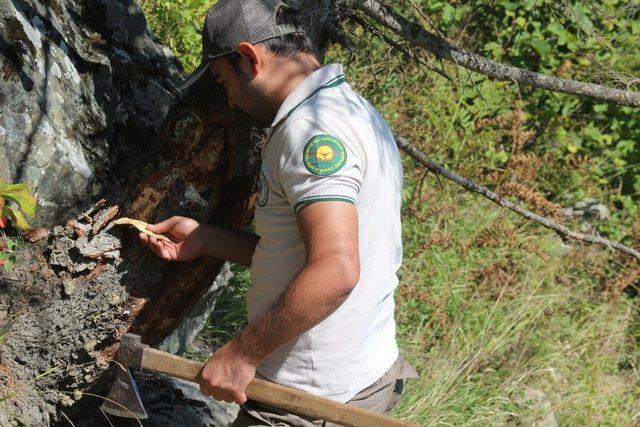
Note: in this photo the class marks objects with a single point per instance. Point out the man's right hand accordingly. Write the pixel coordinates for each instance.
(186, 239)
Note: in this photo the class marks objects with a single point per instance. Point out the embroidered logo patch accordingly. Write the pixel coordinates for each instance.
(324, 154)
(263, 190)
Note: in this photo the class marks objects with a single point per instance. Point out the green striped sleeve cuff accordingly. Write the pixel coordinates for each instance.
(308, 201)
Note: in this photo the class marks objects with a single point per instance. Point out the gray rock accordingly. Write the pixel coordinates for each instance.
(585, 203)
(98, 246)
(175, 403)
(600, 211)
(83, 93)
(60, 252)
(588, 209)
(537, 401)
(76, 90)
(193, 323)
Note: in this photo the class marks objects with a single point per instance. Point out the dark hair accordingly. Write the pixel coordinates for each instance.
(289, 44)
(283, 46)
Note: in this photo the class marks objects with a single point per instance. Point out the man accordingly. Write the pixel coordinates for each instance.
(327, 244)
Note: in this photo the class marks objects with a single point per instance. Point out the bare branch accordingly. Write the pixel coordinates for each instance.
(340, 37)
(401, 49)
(438, 46)
(560, 229)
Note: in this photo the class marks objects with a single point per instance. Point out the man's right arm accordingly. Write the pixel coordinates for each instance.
(191, 239)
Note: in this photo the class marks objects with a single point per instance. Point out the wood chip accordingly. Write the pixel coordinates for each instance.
(142, 226)
(35, 234)
(99, 204)
(103, 217)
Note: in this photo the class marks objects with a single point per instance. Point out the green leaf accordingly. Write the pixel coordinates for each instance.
(16, 216)
(12, 244)
(541, 46)
(592, 133)
(21, 186)
(560, 32)
(9, 260)
(600, 108)
(626, 146)
(556, 28)
(495, 49)
(21, 194)
(448, 13)
(586, 24)
(521, 21)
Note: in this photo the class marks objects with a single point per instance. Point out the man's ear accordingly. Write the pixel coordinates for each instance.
(254, 56)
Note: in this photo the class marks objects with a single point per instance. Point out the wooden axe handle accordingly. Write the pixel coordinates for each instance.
(275, 394)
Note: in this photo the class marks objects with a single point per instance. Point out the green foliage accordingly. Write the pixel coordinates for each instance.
(576, 40)
(488, 306)
(177, 23)
(8, 257)
(23, 204)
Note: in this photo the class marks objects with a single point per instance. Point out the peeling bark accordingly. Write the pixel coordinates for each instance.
(103, 133)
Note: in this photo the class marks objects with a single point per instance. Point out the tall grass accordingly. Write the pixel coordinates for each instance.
(483, 323)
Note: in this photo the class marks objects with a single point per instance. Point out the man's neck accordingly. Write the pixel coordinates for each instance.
(291, 72)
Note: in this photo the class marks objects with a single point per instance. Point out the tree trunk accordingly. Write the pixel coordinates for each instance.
(89, 110)
(85, 91)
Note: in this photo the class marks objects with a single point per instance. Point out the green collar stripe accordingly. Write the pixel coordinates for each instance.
(338, 77)
(336, 81)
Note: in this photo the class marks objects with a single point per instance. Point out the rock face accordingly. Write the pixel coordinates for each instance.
(84, 91)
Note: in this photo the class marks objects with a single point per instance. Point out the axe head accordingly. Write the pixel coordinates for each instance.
(123, 399)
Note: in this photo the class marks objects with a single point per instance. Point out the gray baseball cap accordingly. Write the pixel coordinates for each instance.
(228, 22)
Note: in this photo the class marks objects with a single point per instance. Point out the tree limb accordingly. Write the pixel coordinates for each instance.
(560, 229)
(438, 46)
(401, 49)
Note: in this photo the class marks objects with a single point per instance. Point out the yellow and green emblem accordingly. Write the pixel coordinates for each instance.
(324, 155)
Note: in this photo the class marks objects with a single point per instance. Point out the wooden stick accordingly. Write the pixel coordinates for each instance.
(275, 394)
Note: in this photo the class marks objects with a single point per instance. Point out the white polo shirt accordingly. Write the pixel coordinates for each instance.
(329, 143)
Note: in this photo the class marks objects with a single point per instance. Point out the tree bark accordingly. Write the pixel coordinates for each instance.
(89, 111)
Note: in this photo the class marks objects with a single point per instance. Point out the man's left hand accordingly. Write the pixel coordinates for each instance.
(226, 375)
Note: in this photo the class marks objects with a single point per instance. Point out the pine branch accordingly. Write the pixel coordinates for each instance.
(560, 229)
(417, 35)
